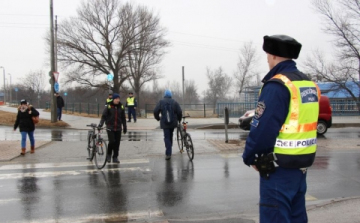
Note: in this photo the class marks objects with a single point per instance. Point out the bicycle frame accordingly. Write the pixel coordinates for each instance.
(96, 145)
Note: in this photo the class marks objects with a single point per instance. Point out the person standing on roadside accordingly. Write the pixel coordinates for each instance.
(131, 104)
(282, 141)
(109, 99)
(26, 125)
(59, 104)
(114, 118)
(171, 114)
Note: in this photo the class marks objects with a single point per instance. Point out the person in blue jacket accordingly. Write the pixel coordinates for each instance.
(282, 189)
(168, 128)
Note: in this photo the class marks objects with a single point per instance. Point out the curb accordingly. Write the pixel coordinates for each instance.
(314, 207)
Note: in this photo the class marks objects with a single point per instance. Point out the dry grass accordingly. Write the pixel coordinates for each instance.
(8, 118)
(77, 114)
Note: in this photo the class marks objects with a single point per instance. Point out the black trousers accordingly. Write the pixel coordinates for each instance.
(114, 143)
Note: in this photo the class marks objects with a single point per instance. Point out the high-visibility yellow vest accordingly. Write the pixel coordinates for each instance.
(130, 101)
(297, 136)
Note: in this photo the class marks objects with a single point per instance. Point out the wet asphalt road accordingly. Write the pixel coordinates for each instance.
(213, 188)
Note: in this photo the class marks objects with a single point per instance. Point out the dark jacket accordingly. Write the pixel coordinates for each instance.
(114, 117)
(177, 113)
(24, 120)
(60, 102)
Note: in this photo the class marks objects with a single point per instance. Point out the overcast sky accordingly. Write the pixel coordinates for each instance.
(203, 33)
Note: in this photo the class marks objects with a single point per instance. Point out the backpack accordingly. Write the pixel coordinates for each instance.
(168, 113)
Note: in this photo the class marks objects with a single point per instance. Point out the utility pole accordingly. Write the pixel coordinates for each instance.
(4, 84)
(51, 74)
(183, 80)
(10, 90)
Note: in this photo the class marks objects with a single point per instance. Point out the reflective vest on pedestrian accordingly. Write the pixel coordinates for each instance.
(130, 101)
(297, 136)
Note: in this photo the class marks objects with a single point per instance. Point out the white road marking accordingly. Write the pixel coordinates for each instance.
(61, 165)
(70, 172)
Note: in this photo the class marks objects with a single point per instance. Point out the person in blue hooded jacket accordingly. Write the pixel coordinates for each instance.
(168, 128)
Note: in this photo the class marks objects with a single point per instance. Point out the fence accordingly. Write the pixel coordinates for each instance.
(82, 108)
(348, 108)
(194, 110)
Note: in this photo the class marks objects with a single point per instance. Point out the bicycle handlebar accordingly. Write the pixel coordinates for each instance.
(95, 126)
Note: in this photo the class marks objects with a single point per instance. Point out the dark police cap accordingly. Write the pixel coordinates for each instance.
(282, 46)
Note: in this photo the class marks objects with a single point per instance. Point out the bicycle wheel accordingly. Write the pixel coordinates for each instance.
(179, 139)
(90, 145)
(100, 155)
(189, 146)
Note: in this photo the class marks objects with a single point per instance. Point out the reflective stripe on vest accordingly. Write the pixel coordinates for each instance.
(297, 136)
(130, 101)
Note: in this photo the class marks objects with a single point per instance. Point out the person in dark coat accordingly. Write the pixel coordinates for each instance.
(168, 128)
(26, 125)
(114, 118)
(59, 104)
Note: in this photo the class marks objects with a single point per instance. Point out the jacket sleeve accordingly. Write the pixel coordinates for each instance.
(104, 116)
(62, 102)
(16, 121)
(157, 110)
(34, 112)
(265, 127)
(123, 117)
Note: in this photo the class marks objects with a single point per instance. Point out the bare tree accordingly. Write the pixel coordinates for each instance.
(97, 42)
(219, 85)
(246, 67)
(33, 84)
(341, 21)
(147, 50)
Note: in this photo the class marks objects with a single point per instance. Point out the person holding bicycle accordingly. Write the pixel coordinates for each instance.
(114, 118)
(171, 114)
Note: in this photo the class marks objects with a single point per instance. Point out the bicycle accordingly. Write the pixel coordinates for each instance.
(184, 139)
(96, 146)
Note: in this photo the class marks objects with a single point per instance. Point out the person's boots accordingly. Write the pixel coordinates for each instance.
(23, 150)
(32, 149)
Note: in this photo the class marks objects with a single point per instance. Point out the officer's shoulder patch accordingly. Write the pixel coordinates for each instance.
(260, 109)
(254, 122)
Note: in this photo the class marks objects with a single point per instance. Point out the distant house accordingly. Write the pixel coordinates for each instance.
(337, 94)
(2, 96)
(341, 101)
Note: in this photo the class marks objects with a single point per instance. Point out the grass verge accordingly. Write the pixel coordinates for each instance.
(8, 119)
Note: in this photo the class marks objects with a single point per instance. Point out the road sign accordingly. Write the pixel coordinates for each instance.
(56, 87)
(56, 76)
(65, 94)
(16, 89)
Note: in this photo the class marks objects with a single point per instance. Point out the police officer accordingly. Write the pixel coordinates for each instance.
(109, 99)
(282, 139)
(131, 104)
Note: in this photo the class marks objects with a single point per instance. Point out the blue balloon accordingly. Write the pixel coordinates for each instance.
(110, 77)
